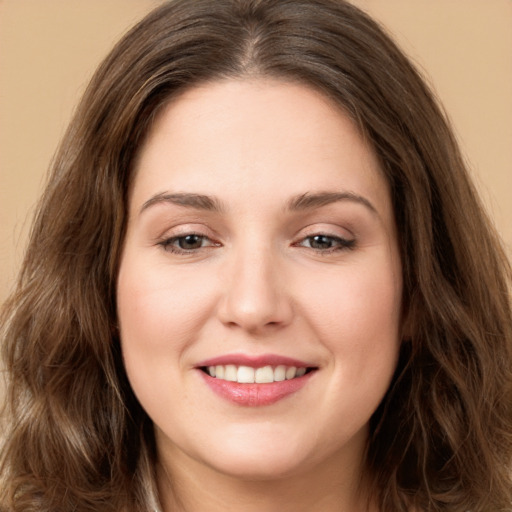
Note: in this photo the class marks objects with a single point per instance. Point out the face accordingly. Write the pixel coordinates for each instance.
(259, 290)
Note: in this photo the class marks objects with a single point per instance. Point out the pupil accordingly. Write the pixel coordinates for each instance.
(190, 242)
(321, 242)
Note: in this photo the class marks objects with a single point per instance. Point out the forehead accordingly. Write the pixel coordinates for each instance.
(259, 135)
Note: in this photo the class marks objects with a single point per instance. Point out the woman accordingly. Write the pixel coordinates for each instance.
(259, 278)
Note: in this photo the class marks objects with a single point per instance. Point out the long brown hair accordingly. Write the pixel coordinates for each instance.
(77, 439)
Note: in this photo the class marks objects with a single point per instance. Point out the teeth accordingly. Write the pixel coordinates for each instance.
(230, 373)
(280, 373)
(264, 375)
(300, 372)
(248, 375)
(219, 372)
(245, 374)
(290, 372)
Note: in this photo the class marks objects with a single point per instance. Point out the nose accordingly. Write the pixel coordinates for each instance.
(254, 297)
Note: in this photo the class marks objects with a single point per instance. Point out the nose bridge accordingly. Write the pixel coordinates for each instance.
(254, 296)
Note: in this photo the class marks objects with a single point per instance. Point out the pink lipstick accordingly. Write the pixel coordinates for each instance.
(255, 380)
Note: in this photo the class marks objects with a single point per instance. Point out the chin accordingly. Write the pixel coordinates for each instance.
(245, 451)
(258, 467)
(260, 457)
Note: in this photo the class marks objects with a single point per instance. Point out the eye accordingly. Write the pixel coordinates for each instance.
(185, 244)
(326, 243)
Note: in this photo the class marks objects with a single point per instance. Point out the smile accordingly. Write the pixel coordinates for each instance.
(248, 375)
(248, 380)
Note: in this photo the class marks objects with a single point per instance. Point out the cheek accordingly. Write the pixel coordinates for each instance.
(160, 314)
(356, 314)
(356, 302)
(157, 306)
(359, 325)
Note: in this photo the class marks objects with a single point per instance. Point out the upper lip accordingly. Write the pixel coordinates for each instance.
(255, 361)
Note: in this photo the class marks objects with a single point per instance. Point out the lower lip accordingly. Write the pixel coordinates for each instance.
(254, 395)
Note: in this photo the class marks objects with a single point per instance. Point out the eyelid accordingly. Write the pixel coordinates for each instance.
(340, 243)
(167, 244)
(327, 229)
(180, 231)
(186, 228)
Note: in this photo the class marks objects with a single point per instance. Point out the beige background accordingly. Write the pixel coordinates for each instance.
(49, 49)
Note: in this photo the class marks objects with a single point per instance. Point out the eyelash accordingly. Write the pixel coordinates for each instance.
(337, 243)
(168, 246)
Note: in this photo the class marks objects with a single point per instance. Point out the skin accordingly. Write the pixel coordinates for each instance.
(256, 283)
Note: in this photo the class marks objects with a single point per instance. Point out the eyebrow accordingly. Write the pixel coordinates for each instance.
(315, 200)
(189, 200)
(300, 202)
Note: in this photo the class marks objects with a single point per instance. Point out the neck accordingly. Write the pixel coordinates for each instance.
(189, 486)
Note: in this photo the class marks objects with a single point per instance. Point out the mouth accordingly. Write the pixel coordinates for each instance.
(255, 380)
(256, 375)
